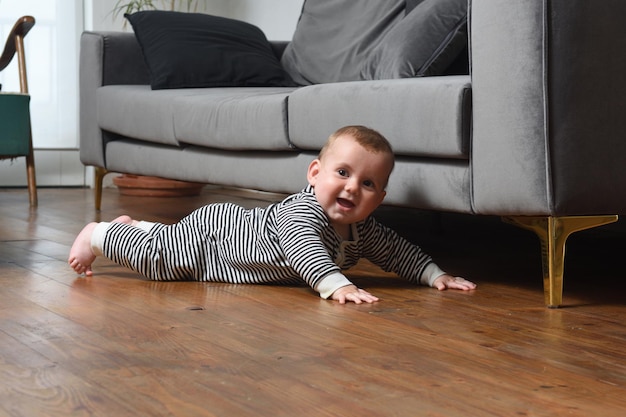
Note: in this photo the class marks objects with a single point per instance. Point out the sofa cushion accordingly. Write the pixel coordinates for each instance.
(427, 116)
(185, 50)
(251, 118)
(282, 172)
(411, 4)
(372, 39)
(332, 38)
(424, 43)
(138, 112)
(225, 118)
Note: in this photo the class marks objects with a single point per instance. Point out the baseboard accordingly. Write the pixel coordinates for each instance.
(54, 168)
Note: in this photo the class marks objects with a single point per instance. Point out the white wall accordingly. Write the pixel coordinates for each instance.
(277, 18)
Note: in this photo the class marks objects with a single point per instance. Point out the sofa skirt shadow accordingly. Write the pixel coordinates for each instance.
(139, 185)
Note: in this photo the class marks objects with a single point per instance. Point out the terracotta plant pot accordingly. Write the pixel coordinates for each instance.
(139, 185)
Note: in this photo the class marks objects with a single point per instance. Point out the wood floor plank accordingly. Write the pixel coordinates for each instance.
(85, 351)
(117, 344)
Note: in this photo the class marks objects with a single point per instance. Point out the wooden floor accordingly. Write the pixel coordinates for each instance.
(118, 345)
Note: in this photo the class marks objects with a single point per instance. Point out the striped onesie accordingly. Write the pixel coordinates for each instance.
(285, 243)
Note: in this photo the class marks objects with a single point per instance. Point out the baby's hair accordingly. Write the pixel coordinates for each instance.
(368, 138)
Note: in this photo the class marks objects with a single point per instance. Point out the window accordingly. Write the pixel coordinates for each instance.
(52, 67)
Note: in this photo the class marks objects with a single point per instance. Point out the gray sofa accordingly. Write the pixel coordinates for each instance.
(534, 134)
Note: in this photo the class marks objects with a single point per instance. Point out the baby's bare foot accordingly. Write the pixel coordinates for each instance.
(126, 220)
(81, 256)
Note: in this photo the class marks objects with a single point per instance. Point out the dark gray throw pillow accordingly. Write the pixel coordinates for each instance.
(425, 42)
(185, 50)
(334, 37)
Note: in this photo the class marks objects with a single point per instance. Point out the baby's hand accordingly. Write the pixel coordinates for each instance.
(354, 294)
(446, 281)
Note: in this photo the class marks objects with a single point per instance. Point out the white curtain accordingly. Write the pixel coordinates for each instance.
(52, 67)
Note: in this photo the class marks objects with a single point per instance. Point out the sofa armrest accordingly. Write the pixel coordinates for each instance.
(105, 58)
(548, 86)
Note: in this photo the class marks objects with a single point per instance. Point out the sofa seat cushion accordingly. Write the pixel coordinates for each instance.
(138, 112)
(425, 117)
(227, 118)
(238, 118)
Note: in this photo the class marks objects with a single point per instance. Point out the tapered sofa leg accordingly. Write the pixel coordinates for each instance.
(553, 232)
(99, 177)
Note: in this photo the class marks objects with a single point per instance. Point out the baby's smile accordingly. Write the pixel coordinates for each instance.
(345, 203)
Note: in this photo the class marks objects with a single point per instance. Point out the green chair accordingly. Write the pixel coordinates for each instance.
(15, 129)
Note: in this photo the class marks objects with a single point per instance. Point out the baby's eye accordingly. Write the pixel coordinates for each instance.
(342, 172)
(368, 183)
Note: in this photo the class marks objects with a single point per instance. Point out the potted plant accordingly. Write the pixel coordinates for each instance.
(126, 6)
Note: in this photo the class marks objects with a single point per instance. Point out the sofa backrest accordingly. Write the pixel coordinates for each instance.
(352, 40)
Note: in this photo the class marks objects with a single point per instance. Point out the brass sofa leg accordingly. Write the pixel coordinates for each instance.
(553, 232)
(99, 177)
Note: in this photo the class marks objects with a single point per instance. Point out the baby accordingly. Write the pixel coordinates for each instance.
(309, 236)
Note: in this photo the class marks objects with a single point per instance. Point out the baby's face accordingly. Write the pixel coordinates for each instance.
(349, 181)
